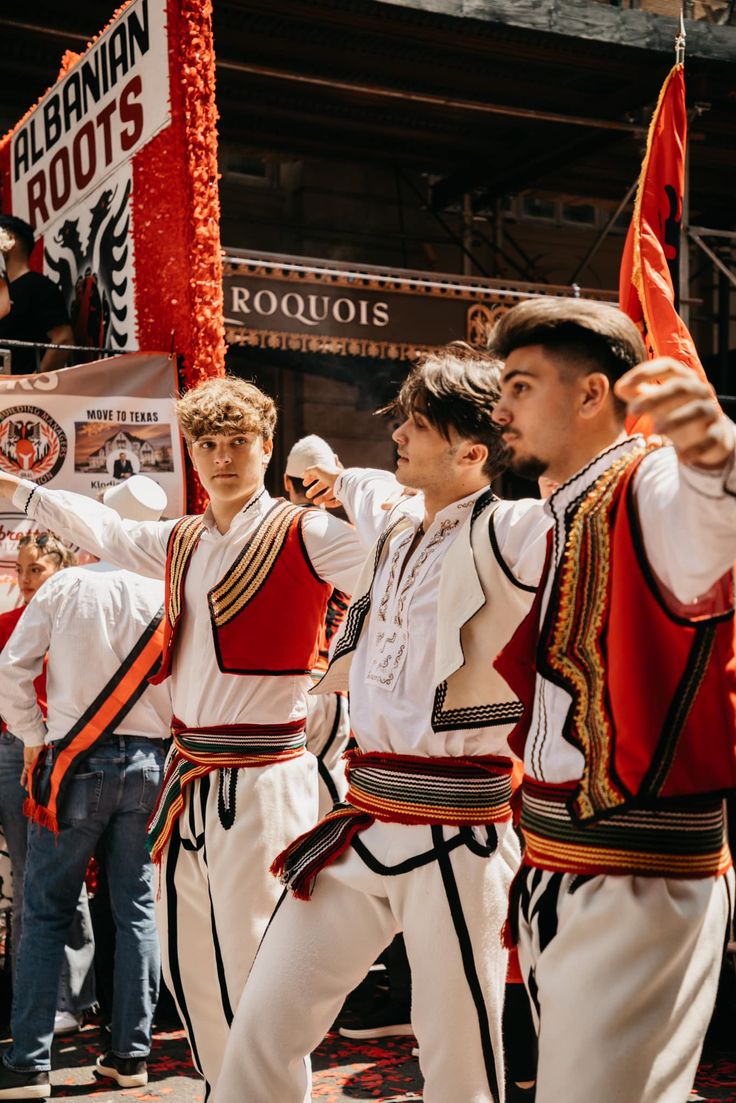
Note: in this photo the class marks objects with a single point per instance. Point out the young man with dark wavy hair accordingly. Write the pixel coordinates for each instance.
(424, 843)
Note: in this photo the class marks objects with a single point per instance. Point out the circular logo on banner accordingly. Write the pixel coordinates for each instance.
(32, 445)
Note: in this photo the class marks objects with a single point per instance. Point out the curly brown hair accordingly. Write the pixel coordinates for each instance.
(225, 405)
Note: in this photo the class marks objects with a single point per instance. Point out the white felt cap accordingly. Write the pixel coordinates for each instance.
(137, 499)
(311, 451)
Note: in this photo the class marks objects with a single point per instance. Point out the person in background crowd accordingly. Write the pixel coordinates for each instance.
(247, 589)
(31, 306)
(39, 557)
(328, 721)
(93, 772)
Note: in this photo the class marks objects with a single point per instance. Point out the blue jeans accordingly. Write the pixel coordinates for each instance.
(77, 982)
(113, 796)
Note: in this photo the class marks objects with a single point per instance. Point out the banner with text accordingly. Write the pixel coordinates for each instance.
(84, 429)
(115, 168)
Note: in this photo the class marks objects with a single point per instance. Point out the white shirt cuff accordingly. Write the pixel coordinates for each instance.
(711, 484)
(23, 498)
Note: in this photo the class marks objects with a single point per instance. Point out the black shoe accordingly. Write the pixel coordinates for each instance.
(23, 1085)
(129, 1072)
(380, 1022)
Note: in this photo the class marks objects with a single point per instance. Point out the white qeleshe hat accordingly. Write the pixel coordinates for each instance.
(311, 451)
(137, 499)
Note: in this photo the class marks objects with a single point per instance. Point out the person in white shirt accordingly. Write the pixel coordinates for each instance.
(93, 772)
(626, 666)
(328, 721)
(425, 842)
(246, 587)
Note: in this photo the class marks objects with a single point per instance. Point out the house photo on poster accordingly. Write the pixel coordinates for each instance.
(120, 451)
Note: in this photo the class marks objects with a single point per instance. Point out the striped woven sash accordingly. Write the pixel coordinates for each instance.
(404, 789)
(686, 839)
(198, 751)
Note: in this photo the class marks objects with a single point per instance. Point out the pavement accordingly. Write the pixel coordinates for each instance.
(344, 1072)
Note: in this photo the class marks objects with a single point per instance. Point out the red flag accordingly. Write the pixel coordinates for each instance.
(649, 265)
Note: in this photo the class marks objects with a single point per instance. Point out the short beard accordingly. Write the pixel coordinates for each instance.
(528, 467)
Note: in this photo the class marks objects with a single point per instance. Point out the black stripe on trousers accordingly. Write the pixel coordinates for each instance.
(171, 858)
(466, 951)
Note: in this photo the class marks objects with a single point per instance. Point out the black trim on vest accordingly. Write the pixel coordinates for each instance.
(679, 710)
(466, 952)
(475, 716)
(637, 540)
(305, 553)
(500, 559)
(358, 611)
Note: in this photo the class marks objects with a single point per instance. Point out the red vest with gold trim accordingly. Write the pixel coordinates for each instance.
(268, 610)
(653, 691)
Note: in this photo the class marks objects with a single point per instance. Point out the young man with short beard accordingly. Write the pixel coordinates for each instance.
(246, 589)
(626, 667)
(425, 844)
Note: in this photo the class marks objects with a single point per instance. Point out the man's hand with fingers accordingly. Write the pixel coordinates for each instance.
(683, 408)
(319, 484)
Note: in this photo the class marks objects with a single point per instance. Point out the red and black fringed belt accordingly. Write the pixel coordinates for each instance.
(198, 751)
(686, 838)
(398, 789)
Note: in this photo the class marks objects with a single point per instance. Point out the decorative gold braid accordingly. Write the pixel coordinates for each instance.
(574, 650)
(183, 542)
(243, 581)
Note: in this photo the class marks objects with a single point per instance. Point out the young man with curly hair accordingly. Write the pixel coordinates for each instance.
(247, 584)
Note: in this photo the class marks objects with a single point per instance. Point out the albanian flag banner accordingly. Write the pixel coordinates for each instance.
(86, 428)
(649, 278)
(115, 167)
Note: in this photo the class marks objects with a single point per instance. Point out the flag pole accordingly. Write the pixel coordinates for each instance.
(683, 308)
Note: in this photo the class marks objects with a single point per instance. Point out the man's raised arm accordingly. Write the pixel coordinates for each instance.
(136, 545)
(687, 500)
(366, 494)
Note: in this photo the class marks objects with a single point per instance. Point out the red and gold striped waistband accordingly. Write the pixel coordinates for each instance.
(686, 838)
(414, 790)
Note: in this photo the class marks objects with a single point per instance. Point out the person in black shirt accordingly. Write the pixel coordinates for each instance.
(31, 306)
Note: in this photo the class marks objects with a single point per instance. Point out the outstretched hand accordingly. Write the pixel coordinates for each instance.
(682, 408)
(319, 484)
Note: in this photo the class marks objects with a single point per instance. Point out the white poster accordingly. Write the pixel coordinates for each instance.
(86, 428)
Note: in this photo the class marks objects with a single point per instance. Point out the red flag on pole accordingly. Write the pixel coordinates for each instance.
(649, 266)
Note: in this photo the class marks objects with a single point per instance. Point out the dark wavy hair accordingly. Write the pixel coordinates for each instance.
(456, 387)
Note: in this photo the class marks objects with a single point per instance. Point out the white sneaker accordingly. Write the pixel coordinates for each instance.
(65, 1023)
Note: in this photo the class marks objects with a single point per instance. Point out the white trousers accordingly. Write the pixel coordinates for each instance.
(328, 734)
(217, 894)
(447, 891)
(622, 973)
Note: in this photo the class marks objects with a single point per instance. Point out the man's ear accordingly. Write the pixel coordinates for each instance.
(594, 394)
(287, 483)
(267, 451)
(473, 453)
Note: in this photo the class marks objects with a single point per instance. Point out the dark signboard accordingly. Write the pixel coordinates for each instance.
(293, 303)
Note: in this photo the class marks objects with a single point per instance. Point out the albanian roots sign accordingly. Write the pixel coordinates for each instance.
(86, 428)
(116, 169)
